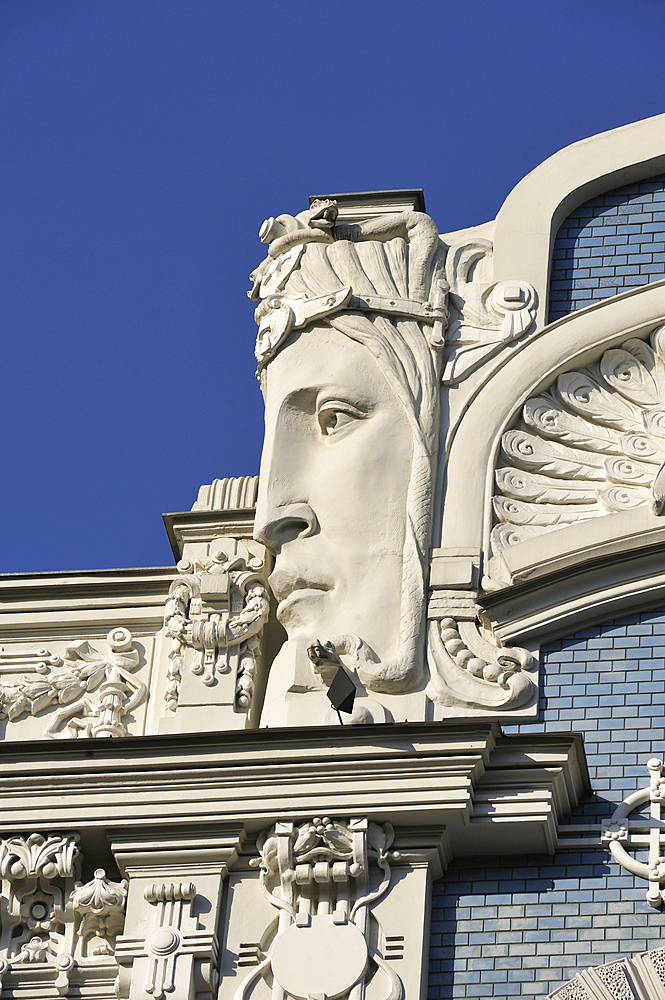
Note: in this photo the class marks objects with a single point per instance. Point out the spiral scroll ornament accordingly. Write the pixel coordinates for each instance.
(591, 444)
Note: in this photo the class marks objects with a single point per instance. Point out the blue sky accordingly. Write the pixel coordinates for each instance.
(144, 142)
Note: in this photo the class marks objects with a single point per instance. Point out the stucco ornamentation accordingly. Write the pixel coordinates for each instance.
(485, 315)
(49, 920)
(82, 671)
(217, 608)
(467, 669)
(352, 347)
(623, 833)
(323, 877)
(101, 905)
(352, 323)
(591, 444)
(176, 951)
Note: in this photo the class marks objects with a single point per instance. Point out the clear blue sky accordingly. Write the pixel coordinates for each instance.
(144, 142)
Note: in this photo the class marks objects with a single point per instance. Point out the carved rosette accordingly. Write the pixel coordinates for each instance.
(322, 878)
(591, 444)
(215, 614)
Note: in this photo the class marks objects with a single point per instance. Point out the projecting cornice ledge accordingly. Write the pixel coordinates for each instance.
(578, 575)
(493, 794)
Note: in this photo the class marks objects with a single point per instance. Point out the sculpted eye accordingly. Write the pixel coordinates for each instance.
(334, 416)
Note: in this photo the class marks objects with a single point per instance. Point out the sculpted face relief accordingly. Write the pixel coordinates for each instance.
(334, 479)
(351, 322)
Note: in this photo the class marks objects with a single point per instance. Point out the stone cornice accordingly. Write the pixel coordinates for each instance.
(492, 792)
(204, 525)
(582, 574)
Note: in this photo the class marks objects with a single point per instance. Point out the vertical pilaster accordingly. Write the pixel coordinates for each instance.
(170, 944)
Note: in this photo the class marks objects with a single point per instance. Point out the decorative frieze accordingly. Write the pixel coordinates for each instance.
(88, 692)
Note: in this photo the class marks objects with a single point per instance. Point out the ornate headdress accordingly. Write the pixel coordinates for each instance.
(390, 265)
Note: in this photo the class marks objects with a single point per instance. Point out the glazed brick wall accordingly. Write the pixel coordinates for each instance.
(607, 245)
(503, 927)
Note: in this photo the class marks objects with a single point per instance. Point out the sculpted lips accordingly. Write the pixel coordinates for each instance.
(284, 582)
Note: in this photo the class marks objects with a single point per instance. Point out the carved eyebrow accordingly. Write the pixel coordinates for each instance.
(308, 399)
(342, 394)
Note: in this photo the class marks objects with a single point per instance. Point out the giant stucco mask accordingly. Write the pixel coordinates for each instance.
(351, 323)
(352, 329)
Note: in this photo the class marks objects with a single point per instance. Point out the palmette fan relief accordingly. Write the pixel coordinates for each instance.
(591, 444)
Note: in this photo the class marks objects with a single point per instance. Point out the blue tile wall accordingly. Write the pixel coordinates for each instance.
(607, 245)
(503, 927)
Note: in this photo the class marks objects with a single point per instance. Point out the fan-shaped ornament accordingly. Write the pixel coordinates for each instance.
(592, 444)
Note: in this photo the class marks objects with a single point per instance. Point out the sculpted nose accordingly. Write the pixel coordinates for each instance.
(273, 528)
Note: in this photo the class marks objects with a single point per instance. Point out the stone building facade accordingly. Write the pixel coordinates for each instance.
(454, 548)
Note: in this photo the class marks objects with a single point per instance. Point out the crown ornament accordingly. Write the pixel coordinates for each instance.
(315, 268)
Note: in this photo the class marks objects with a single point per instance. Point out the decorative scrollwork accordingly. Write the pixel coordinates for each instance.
(321, 878)
(468, 670)
(84, 670)
(592, 443)
(217, 608)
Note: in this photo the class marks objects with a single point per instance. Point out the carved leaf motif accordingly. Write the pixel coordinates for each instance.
(643, 446)
(380, 837)
(38, 855)
(548, 417)
(654, 423)
(267, 845)
(305, 840)
(625, 470)
(338, 839)
(34, 950)
(518, 512)
(510, 534)
(651, 361)
(591, 444)
(624, 372)
(551, 457)
(617, 498)
(591, 399)
(100, 895)
(529, 486)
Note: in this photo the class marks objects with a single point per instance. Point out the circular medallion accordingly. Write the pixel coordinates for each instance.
(322, 958)
(163, 941)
